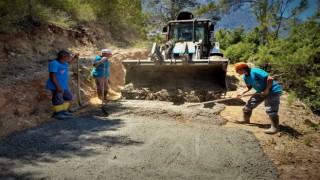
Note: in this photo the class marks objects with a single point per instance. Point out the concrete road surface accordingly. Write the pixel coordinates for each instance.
(138, 140)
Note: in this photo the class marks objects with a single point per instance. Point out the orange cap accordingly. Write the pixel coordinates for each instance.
(240, 65)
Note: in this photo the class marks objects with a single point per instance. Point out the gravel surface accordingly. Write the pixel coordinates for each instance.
(138, 140)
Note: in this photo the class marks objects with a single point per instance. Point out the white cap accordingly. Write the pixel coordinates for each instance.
(106, 51)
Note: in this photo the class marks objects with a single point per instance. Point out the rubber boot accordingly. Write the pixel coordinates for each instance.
(59, 112)
(274, 125)
(65, 109)
(246, 118)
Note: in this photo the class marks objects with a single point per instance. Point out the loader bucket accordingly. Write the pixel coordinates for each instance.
(187, 78)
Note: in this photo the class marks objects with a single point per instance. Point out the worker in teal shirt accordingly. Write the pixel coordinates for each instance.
(268, 90)
(101, 73)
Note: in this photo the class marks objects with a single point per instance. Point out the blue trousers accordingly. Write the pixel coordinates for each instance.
(60, 98)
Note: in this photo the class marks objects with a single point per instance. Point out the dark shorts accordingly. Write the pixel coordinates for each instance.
(99, 83)
(271, 103)
(60, 98)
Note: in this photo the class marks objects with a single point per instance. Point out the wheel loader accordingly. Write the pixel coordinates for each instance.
(189, 61)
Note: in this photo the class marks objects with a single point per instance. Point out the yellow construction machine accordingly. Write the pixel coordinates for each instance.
(190, 60)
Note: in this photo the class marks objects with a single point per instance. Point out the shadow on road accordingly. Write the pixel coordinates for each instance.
(290, 131)
(227, 102)
(284, 129)
(77, 136)
(233, 102)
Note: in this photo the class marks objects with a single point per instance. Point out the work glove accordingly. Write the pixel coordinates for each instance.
(76, 55)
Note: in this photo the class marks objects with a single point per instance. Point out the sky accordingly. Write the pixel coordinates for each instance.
(308, 12)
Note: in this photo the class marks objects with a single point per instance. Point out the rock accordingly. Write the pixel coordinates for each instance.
(311, 123)
(26, 124)
(12, 54)
(279, 147)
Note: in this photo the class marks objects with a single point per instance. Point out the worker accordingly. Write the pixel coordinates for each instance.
(268, 90)
(58, 84)
(101, 73)
(187, 36)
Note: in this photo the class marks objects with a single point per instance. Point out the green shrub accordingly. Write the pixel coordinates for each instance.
(240, 52)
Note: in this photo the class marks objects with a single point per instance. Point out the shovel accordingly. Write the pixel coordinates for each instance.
(218, 100)
(103, 104)
(80, 104)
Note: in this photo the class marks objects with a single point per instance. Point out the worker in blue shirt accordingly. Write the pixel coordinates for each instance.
(58, 84)
(101, 73)
(268, 90)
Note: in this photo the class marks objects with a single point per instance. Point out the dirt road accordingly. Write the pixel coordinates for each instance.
(138, 140)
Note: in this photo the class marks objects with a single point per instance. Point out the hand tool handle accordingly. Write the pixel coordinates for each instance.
(78, 81)
(217, 100)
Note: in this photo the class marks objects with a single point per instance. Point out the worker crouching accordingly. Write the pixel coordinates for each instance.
(268, 90)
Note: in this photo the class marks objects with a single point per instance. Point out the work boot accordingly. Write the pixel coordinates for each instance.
(67, 113)
(246, 118)
(61, 116)
(274, 125)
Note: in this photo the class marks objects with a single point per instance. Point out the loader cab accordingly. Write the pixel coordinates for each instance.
(194, 31)
(180, 31)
